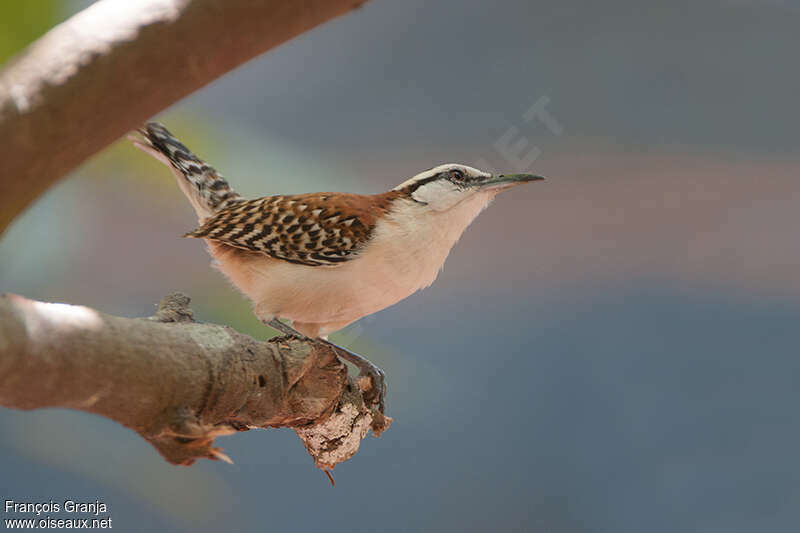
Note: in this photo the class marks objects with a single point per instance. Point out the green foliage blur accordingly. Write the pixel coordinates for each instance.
(23, 22)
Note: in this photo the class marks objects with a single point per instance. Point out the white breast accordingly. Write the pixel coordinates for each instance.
(414, 241)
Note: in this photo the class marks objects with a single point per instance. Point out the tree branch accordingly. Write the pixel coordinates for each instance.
(106, 70)
(177, 383)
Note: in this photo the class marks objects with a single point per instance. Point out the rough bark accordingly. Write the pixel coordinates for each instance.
(110, 67)
(178, 383)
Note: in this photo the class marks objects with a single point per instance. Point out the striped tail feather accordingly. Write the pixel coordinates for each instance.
(206, 189)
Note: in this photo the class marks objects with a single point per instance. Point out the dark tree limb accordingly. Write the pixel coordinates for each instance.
(109, 68)
(178, 383)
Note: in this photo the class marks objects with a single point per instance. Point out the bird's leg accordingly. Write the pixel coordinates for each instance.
(366, 368)
(286, 329)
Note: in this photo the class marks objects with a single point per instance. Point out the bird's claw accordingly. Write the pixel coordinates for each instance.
(377, 394)
(374, 395)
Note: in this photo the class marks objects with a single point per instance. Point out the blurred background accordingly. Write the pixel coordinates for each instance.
(612, 350)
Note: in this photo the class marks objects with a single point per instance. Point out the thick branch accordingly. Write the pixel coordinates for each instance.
(115, 64)
(177, 383)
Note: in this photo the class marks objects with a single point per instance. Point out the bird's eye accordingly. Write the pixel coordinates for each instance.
(456, 175)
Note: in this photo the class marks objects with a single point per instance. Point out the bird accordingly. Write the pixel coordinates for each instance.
(324, 260)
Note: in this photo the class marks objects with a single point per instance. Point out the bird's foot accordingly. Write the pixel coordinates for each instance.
(377, 394)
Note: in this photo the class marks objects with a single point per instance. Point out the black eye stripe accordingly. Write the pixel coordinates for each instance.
(462, 181)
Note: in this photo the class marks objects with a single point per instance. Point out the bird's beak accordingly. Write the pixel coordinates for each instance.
(504, 181)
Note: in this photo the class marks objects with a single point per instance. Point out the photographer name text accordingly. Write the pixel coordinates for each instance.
(44, 512)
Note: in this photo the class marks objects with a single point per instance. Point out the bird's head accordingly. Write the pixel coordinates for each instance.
(443, 187)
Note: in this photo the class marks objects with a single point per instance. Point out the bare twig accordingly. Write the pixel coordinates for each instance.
(110, 67)
(177, 383)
